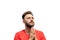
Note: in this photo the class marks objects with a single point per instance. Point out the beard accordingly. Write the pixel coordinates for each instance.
(29, 25)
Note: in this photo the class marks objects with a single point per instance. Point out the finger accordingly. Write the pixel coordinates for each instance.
(32, 30)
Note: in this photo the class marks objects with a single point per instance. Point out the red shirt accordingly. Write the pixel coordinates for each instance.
(23, 36)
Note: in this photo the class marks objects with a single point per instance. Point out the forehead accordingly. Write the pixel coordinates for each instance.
(28, 15)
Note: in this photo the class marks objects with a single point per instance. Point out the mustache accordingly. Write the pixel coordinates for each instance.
(31, 21)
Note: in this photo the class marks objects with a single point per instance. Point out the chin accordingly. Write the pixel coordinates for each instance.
(32, 24)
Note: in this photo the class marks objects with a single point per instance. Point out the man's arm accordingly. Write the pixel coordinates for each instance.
(17, 37)
(43, 37)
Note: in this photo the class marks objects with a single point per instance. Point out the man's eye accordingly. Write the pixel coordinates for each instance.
(32, 18)
(28, 18)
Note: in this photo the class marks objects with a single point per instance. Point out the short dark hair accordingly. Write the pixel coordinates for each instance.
(25, 13)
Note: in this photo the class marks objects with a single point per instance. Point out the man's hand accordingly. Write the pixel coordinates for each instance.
(32, 35)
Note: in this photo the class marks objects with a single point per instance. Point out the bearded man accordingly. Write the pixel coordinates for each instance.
(29, 33)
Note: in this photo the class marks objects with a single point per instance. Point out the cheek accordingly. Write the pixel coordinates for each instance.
(28, 20)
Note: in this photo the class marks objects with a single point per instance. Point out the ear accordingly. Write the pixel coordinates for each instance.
(23, 21)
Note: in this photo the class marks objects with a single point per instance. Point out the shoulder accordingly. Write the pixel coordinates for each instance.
(39, 32)
(18, 35)
(19, 32)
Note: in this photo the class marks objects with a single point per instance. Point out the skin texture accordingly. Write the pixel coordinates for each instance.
(29, 20)
(29, 26)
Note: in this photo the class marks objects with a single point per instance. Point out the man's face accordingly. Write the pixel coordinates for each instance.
(29, 20)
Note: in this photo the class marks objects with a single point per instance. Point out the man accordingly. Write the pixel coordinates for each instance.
(29, 33)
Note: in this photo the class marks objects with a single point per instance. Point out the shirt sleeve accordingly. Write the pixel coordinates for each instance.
(43, 37)
(17, 37)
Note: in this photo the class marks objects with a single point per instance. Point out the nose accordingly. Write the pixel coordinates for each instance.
(32, 19)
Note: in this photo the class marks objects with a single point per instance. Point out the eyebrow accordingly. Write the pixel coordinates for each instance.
(29, 17)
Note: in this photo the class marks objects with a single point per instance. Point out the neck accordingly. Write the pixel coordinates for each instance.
(27, 29)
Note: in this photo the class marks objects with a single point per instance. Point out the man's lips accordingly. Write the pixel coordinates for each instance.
(31, 22)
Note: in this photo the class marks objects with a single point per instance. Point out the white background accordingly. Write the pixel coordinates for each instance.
(46, 14)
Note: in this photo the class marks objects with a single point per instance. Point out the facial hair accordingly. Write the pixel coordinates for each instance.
(28, 25)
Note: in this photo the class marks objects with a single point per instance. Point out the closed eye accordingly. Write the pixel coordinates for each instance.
(28, 18)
